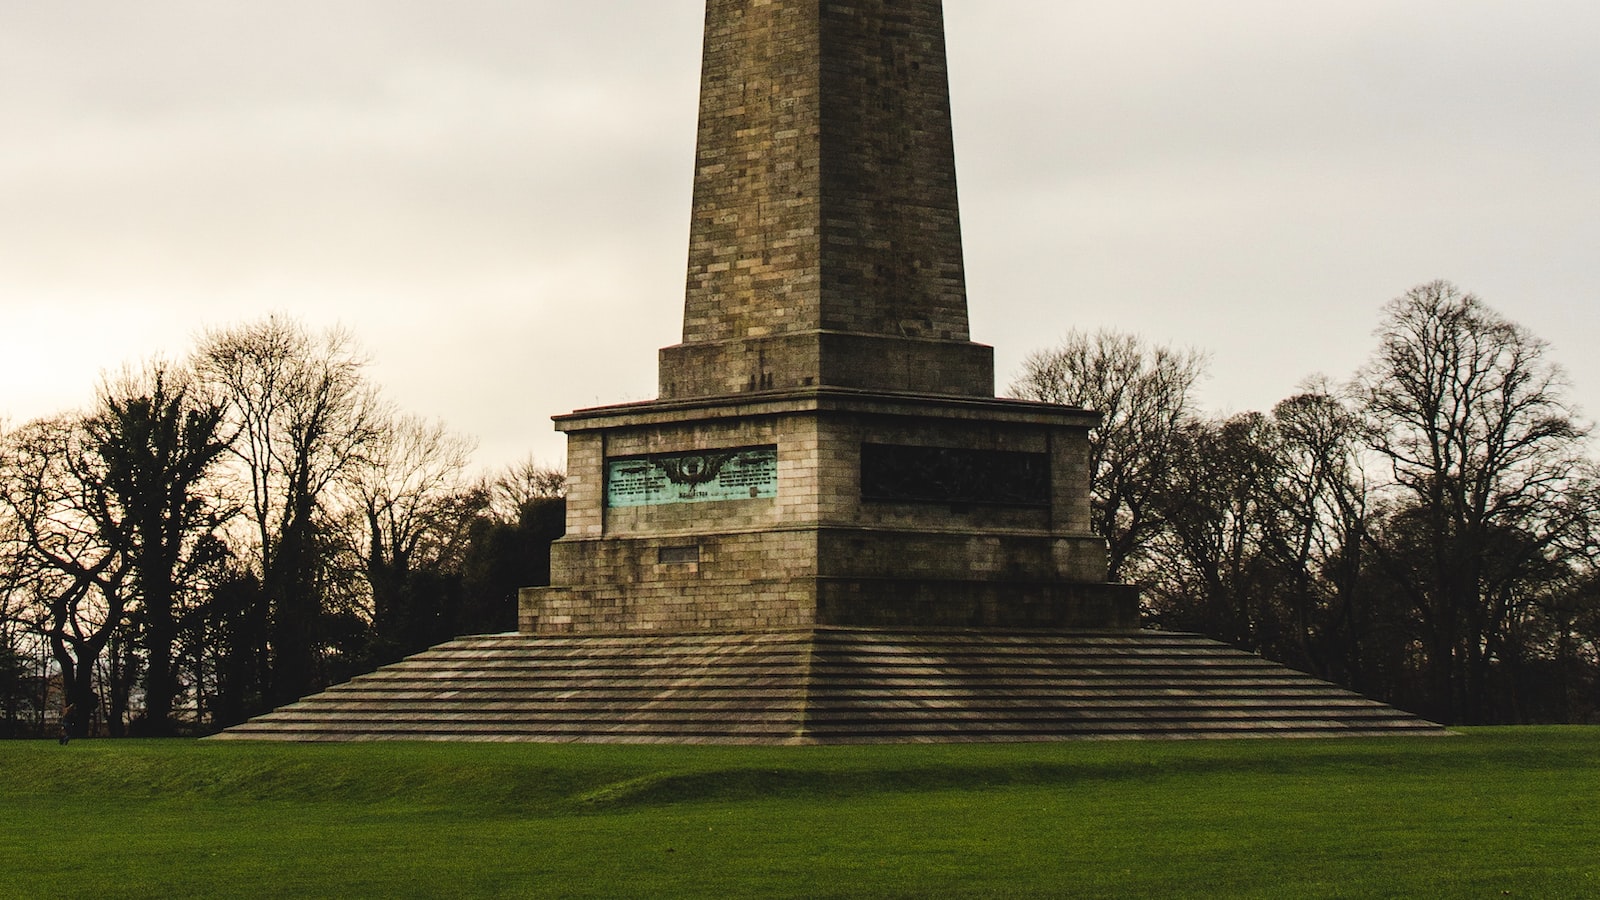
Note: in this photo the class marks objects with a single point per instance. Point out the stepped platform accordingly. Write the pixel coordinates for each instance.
(831, 686)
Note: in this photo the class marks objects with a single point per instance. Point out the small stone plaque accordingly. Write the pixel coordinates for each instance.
(745, 473)
(671, 556)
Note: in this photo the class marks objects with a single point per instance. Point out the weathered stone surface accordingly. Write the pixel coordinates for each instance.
(822, 550)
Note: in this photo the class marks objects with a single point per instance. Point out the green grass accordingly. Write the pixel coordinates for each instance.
(1492, 813)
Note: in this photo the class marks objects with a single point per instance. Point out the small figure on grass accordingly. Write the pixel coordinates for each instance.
(68, 719)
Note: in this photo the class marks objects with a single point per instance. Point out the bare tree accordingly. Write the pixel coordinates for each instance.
(304, 415)
(1481, 446)
(72, 548)
(524, 483)
(416, 511)
(15, 697)
(1143, 393)
(1315, 536)
(1205, 570)
(158, 443)
(1572, 610)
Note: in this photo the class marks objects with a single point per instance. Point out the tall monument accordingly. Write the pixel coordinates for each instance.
(826, 448)
(827, 529)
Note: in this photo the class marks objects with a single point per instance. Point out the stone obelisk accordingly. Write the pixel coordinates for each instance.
(826, 448)
(826, 529)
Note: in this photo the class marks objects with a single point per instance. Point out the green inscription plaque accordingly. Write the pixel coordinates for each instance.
(746, 473)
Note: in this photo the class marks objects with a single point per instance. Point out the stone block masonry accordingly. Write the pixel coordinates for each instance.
(823, 550)
(825, 240)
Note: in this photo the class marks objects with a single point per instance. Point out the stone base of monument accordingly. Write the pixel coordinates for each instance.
(831, 686)
(827, 506)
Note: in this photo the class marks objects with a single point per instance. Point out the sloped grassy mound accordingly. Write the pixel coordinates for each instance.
(1492, 811)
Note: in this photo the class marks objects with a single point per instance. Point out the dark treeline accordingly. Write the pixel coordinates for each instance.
(219, 536)
(1425, 533)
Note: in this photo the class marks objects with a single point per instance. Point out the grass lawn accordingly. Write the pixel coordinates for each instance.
(1492, 813)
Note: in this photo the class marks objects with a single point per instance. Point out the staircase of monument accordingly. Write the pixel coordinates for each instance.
(831, 686)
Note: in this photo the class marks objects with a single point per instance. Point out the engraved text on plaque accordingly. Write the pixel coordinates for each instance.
(747, 473)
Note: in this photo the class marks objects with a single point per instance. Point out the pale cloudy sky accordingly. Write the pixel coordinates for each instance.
(494, 194)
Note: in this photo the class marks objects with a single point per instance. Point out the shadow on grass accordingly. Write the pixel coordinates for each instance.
(885, 770)
(523, 778)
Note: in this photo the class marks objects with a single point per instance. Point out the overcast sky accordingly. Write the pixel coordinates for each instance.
(493, 195)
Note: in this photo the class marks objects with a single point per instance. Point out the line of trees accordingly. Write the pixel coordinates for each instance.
(216, 537)
(1427, 533)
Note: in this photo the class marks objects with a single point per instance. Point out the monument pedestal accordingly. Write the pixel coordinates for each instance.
(827, 507)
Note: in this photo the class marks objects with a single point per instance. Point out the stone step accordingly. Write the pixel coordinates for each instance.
(836, 685)
(915, 667)
(1041, 722)
(1059, 653)
(866, 726)
(642, 694)
(998, 698)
